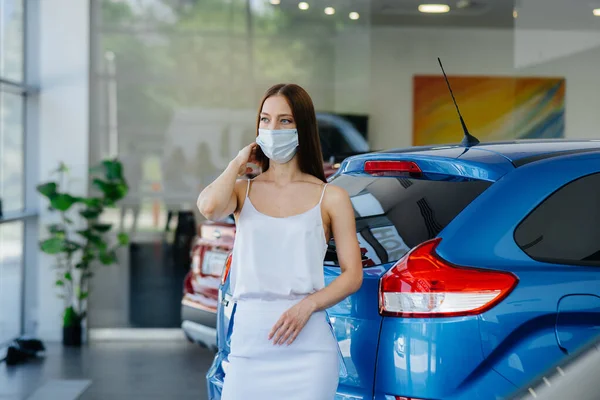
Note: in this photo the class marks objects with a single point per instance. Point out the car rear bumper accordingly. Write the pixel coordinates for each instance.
(199, 325)
(191, 311)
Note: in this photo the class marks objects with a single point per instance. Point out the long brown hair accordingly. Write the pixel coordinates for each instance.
(310, 157)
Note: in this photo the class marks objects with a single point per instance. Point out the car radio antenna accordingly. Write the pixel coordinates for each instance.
(468, 140)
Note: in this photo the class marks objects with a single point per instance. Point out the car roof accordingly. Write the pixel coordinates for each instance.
(518, 152)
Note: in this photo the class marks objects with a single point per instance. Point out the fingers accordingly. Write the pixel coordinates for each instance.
(252, 146)
(289, 332)
(286, 334)
(293, 336)
(276, 327)
(284, 330)
(288, 327)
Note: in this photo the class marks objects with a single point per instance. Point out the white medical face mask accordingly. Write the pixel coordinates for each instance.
(280, 145)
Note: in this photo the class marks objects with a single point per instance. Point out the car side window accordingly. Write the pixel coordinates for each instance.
(565, 228)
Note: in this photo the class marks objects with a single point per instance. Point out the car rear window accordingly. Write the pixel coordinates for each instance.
(394, 215)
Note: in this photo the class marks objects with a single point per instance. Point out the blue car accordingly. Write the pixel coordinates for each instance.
(481, 269)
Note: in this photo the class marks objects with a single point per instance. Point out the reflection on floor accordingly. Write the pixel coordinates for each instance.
(149, 370)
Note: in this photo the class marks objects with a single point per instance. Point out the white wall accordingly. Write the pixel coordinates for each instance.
(397, 54)
(63, 126)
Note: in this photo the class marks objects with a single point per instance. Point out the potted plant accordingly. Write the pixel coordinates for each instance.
(79, 244)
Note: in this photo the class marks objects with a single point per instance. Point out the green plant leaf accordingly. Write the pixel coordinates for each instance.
(103, 186)
(68, 276)
(87, 274)
(88, 256)
(91, 236)
(63, 168)
(122, 188)
(92, 202)
(70, 317)
(113, 169)
(90, 213)
(57, 230)
(54, 245)
(113, 191)
(102, 227)
(123, 238)
(83, 295)
(47, 189)
(71, 247)
(63, 201)
(59, 283)
(108, 258)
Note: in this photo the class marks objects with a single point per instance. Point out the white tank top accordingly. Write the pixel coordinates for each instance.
(277, 258)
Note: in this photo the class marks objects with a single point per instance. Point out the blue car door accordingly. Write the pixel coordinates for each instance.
(562, 233)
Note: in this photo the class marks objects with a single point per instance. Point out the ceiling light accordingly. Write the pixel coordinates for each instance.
(434, 8)
(354, 15)
(329, 10)
(275, 2)
(303, 6)
(596, 12)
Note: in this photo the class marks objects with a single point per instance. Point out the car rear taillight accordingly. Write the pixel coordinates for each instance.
(405, 398)
(389, 166)
(225, 273)
(422, 284)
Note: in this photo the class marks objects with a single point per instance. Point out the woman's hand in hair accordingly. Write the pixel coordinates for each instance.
(289, 325)
(245, 156)
(219, 199)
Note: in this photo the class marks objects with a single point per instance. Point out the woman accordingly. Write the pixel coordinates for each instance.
(282, 346)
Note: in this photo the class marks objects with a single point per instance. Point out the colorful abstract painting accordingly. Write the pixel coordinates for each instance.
(494, 108)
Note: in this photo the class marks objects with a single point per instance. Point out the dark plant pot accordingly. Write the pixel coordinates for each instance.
(72, 335)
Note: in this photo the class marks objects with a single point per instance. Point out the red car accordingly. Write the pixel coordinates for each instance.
(214, 243)
(201, 284)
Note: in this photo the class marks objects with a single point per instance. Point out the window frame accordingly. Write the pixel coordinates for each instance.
(29, 90)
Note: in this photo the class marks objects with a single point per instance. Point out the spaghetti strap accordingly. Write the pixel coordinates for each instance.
(248, 188)
(323, 193)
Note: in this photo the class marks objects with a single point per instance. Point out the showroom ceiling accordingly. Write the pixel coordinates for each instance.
(463, 13)
(530, 14)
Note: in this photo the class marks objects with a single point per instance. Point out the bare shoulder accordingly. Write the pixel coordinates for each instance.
(334, 194)
(336, 201)
(240, 185)
(239, 190)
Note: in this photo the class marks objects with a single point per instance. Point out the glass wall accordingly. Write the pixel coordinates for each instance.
(12, 165)
(11, 101)
(175, 90)
(176, 84)
(11, 276)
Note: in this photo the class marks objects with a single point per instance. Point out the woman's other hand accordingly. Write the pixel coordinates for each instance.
(291, 322)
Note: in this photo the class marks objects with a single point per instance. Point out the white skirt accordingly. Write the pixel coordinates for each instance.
(305, 370)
